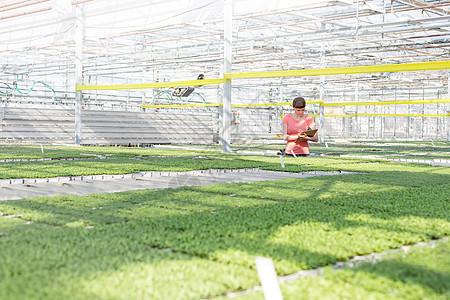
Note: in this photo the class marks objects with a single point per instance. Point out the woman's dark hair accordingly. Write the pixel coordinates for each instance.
(299, 102)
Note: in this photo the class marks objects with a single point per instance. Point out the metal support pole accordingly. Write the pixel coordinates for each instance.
(79, 37)
(128, 96)
(321, 122)
(382, 123)
(395, 112)
(448, 111)
(322, 91)
(408, 120)
(227, 57)
(422, 129)
(144, 92)
(355, 118)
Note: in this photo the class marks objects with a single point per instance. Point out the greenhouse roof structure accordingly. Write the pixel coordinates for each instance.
(140, 41)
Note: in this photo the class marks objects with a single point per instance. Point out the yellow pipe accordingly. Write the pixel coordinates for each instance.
(386, 102)
(262, 104)
(422, 66)
(275, 103)
(321, 102)
(150, 85)
(234, 105)
(402, 115)
(381, 115)
(181, 105)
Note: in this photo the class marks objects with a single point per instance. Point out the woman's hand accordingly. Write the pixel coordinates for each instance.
(302, 137)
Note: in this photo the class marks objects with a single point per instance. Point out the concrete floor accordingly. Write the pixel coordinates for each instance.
(95, 184)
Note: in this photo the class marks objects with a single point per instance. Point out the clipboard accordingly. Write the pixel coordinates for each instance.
(309, 133)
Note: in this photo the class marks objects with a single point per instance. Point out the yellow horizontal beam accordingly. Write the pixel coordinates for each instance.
(381, 115)
(219, 104)
(422, 66)
(181, 105)
(314, 102)
(322, 103)
(261, 104)
(150, 85)
(401, 115)
(274, 104)
(387, 102)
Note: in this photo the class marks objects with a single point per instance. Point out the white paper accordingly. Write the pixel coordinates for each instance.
(281, 161)
(268, 278)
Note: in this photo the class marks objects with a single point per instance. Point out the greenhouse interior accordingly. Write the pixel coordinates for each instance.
(50, 47)
(147, 151)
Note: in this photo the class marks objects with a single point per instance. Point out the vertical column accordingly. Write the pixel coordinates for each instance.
(355, 118)
(448, 110)
(227, 57)
(395, 112)
(322, 91)
(408, 120)
(127, 104)
(79, 37)
(381, 118)
(422, 129)
(2, 116)
(144, 91)
(440, 122)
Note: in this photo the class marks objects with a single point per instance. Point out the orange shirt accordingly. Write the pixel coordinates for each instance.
(294, 127)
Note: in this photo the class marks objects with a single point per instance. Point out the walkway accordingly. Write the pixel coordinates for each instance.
(14, 189)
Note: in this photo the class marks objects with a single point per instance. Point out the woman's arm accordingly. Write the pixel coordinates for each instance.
(314, 138)
(286, 136)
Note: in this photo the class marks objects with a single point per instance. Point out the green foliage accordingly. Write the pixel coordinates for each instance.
(96, 209)
(421, 273)
(200, 242)
(70, 263)
(422, 149)
(10, 225)
(155, 256)
(128, 160)
(43, 169)
(403, 149)
(56, 152)
(307, 234)
(373, 178)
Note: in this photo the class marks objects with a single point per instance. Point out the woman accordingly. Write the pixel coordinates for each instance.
(293, 126)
